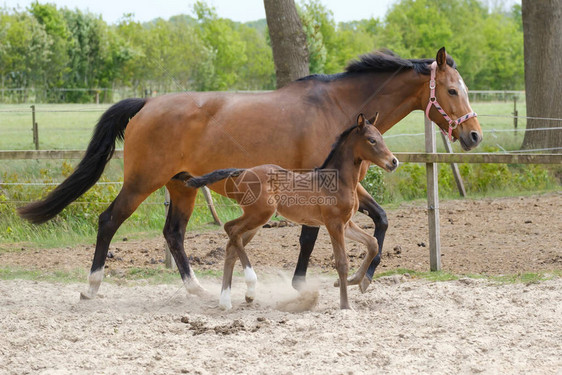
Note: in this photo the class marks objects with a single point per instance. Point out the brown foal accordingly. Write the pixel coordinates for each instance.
(324, 196)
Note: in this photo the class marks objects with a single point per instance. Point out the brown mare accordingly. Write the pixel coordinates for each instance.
(325, 196)
(292, 127)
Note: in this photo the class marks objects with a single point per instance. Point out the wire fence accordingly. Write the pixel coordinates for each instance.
(492, 135)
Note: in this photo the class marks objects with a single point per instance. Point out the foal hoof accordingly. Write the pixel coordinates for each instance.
(225, 306)
(249, 299)
(364, 284)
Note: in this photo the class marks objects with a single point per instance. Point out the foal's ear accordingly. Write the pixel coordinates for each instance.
(373, 120)
(361, 120)
(441, 58)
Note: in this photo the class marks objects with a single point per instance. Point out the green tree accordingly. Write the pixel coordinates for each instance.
(486, 43)
(227, 48)
(258, 73)
(24, 50)
(57, 31)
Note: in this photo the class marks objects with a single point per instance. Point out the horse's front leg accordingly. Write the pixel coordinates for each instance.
(368, 205)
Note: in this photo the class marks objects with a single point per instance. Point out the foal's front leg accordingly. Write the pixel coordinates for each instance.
(355, 233)
(336, 231)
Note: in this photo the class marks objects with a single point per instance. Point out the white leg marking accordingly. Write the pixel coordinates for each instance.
(224, 301)
(94, 280)
(192, 285)
(251, 280)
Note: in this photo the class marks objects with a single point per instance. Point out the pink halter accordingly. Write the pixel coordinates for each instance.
(433, 101)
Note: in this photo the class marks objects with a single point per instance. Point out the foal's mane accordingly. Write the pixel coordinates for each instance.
(381, 61)
(335, 147)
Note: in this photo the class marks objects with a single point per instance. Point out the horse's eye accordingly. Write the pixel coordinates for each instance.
(372, 141)
(453, 92)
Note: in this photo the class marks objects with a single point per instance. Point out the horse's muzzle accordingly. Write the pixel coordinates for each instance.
(470, 140)
(392, 164)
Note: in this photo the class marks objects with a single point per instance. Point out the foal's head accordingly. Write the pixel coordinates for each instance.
(369, 145)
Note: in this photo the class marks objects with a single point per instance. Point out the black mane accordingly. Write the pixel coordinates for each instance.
(341, 138)
(381, 61)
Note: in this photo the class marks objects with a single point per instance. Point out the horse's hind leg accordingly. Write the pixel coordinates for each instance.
(182, 202)
(110, 220)
(307, 240)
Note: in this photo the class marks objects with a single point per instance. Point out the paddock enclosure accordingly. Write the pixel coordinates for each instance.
(402, 324)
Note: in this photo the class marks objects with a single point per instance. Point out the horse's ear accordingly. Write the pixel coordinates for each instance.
(441, 58)
(373, 120)
(361, 120)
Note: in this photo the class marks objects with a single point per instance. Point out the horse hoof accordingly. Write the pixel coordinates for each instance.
(225, 307)
(84, 297)
(198, 290)
(299, 283)
(249, 299)
(364, 284)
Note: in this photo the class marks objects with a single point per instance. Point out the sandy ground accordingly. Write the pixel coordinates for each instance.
(401, 325)
(398, 326)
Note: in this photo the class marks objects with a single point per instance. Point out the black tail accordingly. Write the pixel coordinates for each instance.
(210, 178)
(110, 127)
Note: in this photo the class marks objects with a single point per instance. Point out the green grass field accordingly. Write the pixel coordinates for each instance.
(69, 127)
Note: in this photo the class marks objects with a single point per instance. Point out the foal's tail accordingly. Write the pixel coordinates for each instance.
(110, 127)
(211, 178)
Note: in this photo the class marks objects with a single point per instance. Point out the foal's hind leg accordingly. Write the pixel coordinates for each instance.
(110, 220)
(182, 202)
(249, 274)
(240, 232)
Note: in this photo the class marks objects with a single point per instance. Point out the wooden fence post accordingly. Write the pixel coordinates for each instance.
(211, 205)
(432, 200)
(454, 167)
(169, 259)
(34, 128)
(515, 113)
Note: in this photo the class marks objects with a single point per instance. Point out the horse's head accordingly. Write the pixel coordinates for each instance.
(448, 105)
(371, 147)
